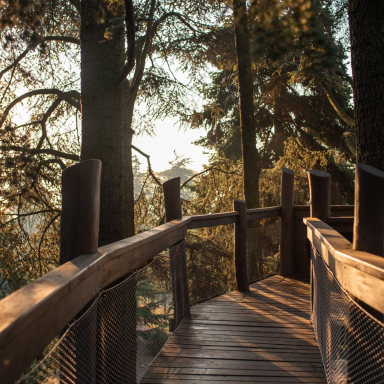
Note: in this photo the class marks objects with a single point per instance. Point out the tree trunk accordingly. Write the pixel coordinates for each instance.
(104, 134)
(277, 123)
(129, 201)
(250, 154)
(366, 22)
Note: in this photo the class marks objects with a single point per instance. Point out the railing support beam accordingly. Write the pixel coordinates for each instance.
(320, 194)
(286, 225)
(241, 246)
(178, 259)
(80, 235)
(368, 231)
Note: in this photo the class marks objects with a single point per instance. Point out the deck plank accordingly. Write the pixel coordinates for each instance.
(264, 336)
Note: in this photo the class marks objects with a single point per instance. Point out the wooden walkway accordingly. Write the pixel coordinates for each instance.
(264, 336)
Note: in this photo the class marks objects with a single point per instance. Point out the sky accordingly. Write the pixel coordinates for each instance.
(168, 138)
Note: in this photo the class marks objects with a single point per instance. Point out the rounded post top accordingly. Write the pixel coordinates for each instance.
(317, 173)
(288, 171)
(83, 166)
(172, 202)
(370, 170)
(172, 183)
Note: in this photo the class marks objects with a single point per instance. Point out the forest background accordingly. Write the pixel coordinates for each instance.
(81, 68)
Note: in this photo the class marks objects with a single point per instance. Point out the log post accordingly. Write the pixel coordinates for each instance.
(320, 203)
(178, 257)
(368, 230)
(320, 194)
(241, 246)
(286, 225)
(79, 228)
(79, 235)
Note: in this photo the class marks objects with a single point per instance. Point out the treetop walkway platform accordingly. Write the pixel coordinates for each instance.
(261, 336)
(174, 305)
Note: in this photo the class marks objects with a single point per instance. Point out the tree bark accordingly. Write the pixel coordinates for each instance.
(250, 154)
(278, 123)
(104, 134)
(366, 24)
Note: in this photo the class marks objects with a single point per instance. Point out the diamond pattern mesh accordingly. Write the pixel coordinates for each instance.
(351, 341)
(118, 335)
(120, 332)
(263, 249)
(211, 266)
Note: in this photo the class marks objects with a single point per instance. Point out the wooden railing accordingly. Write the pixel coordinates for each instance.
(32, 316)
(35, 314)
(356, 261)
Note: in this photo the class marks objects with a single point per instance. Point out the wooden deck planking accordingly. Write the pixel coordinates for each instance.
(264, 336)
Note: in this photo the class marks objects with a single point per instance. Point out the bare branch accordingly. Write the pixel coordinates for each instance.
(49, 112)
(66, 39)
(150, 171)
(51, 161)
(131, 36)
(70, 97)
(46, 151)
(337, 107)
(37, 41)
(9, 83)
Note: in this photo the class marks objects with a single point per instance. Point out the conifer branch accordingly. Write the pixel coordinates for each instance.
(337, 107)
(71, 97)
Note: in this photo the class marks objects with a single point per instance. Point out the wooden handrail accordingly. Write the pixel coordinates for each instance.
(32, 316)
(210, 220)
(359, 273)
(263, 213)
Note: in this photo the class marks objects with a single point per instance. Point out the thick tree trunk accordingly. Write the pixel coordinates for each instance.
(366, 22)
(278, 124)
(250, 154)
(129, 202)
(104, 134)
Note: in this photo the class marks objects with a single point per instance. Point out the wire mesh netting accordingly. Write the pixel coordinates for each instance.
(115, 339)
(211, 266)
(350, 339)
(119, 334)
(263, 249)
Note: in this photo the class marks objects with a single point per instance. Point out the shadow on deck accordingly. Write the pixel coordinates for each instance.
(264, 336)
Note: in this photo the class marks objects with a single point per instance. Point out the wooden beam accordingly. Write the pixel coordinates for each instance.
(79, 227)
(32, 316)
(241, 246)
(320, 194)
(359, 273)
(263, 213)
(368, 228)
(202, 221)
(177, 256)
(286, 225)
(79, 235)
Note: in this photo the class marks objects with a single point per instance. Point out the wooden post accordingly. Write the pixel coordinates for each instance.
(241, 246)
(79, 235)
(80, 210)
(178, 258)
(320, 194)
(368, 230)
(320, 203)
(286, 225)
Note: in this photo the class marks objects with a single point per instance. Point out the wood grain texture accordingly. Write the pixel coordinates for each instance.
(32, 316)
(359, 273)
(261, 336)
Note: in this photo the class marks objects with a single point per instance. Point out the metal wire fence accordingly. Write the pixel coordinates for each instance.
(115, 339)
(210, 265)
(351, 340)
(118, 335)
(263, 249)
